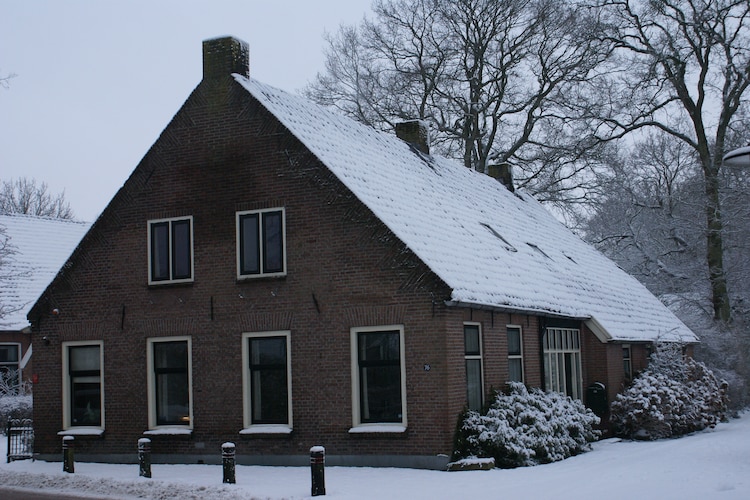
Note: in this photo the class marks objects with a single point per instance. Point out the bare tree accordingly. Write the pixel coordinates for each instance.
(25, 196)
(682, 67)
(5, 80)
(487, 75)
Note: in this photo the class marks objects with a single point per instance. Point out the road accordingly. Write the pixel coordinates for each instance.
(12, 494)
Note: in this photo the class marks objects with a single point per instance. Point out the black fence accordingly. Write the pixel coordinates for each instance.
(20, 434)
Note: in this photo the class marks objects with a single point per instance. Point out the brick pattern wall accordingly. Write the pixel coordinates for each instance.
(221, 154)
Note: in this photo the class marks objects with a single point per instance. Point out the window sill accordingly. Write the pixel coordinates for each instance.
(266, 429)
(83, 431)
(169, 431)
(378, 429)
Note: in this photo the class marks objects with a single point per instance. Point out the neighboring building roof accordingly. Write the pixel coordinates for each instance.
(494, 248)
(42, 245)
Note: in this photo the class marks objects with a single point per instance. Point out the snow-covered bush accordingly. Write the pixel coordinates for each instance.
(15, 398)
(526, 427)
(672, 397)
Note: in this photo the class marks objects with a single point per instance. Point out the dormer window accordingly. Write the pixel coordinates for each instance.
(261, 243)
(170, 250)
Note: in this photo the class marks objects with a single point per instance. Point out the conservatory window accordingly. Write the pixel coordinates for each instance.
(562, 361)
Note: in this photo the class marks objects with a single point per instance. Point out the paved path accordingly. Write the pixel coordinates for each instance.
(12, 494)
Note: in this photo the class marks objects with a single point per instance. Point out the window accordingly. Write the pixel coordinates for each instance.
(261, 243)
(473, 360)
(627, 363)
(10, 368)
(267, 379)
(378, 372)
(170, 250)
(562, 361)
(83, 401)
(170, 383)
(515, 354)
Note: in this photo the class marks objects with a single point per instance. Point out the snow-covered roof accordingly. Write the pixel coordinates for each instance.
(41, 245)
(494, 248)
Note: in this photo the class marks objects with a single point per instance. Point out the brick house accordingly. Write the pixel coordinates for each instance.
(38, 247)
(278, 276)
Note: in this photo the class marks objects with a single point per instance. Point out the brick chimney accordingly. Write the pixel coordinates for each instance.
(224, 56)
(416, 133)
(503, 173)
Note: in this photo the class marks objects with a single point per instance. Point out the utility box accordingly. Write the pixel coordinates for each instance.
(596, 398)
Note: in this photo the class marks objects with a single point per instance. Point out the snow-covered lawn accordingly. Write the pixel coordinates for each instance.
(713, 464)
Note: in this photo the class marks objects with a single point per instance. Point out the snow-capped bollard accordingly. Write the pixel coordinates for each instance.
(68, 446)
(227, 455)
(317, 470)
(144, 457)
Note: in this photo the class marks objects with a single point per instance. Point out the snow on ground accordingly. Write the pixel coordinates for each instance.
(712, 464)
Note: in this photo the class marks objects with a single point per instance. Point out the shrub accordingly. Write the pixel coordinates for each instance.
(15, 398)
(672, 397)
(526, 427)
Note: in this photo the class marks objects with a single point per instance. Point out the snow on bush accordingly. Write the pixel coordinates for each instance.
(15, 399)
(526, 427)
(672, 397)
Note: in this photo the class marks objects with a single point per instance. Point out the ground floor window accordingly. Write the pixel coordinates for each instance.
(83, 402)
(562, 361)
(473, 361)
(378, 373)
(515, 354)
(267, 379)
(10, 368)
(170, 382)
(627, 363)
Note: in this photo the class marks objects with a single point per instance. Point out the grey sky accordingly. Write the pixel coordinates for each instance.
(97, 81)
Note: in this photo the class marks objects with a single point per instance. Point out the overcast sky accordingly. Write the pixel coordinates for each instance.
(98, 80)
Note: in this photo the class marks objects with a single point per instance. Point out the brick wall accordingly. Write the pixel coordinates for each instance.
(220, 155)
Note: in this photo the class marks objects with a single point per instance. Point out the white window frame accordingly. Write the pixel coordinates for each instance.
(627, 360)
(15, 365)
(151, 381)
(363, 427)
(66, 402)
(516, 356)
(171, 280)
(555, 347)
(479, 357)
(261, 273)
(249, 426)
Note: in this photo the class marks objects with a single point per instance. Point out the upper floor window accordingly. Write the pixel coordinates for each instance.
(261, 243)
(515, 354)
(170, 250)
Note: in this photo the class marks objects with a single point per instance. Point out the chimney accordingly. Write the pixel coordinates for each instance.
(503, 173)
(416, 133)
(224, 56)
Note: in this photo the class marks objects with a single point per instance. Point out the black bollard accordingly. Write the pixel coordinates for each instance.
(144, 457)
(317, 470)
(227, 455)
(68, 446)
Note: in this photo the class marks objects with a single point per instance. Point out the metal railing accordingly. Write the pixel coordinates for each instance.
(20, 434)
